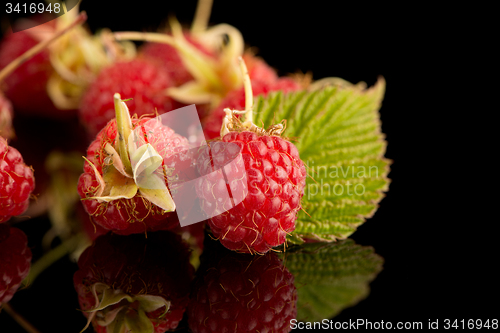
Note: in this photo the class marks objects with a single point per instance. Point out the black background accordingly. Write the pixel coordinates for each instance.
(440, 259)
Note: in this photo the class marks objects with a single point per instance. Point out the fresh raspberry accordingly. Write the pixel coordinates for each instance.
(136, 215)
(170, 60)
(15, 259)
(259, 70)
(242, 293)
(272, 185)
(235, 99)
(6, 115)
(16, 182)
(142, 80)
(286, 85)
(30, 78)
(136, 266)
(91, 229)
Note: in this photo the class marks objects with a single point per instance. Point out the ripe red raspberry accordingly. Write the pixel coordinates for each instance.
(142, 80)
(137, 269)
(16, 182)
(235, 100)
(136, 215)
(272, 186)
(91, 229)
(242, 293)
(259, 70)
(15, 259)
(31, 77)
(6, 115)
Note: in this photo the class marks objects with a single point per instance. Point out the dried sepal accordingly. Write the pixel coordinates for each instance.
(113, 310)
(132, 170)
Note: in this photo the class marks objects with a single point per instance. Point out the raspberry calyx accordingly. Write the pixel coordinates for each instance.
(77, 59)
(134, 166)
(231, 123)
(116, 307)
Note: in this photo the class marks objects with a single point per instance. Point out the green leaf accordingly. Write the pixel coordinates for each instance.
(331, 276)
(337, 131)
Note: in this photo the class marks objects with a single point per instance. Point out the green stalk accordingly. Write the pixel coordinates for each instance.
(52, 256)
(195, 60)
(247, 84)
(201, 16)
(19, 319)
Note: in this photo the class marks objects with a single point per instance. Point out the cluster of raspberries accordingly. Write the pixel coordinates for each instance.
(115, 284)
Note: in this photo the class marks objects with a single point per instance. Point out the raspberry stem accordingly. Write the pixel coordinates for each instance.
(214, 74)
(66, 247)
(40, 46)
(28, 327)
(196, 61)
(229, 122)
(247, 84)
(201, 16)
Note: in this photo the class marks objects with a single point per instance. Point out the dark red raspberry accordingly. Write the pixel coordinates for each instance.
(15, 259)
(91, 229)
(136, 215)
(140, 79)
(16, 182)
(235, 100)
(30, 78)
(242, 293)
(272, 184)
(259, 70)
(136, 266)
